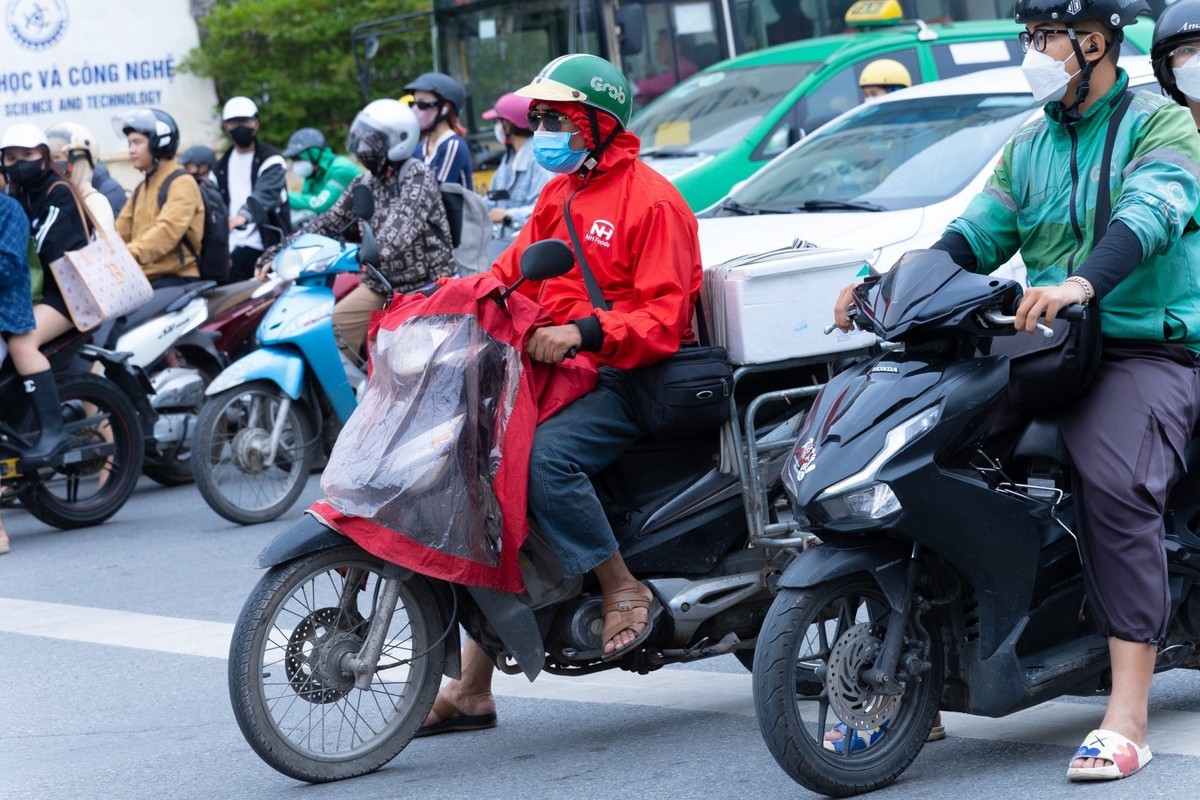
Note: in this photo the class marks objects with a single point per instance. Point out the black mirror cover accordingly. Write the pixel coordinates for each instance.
(364, 202)
(548, 258)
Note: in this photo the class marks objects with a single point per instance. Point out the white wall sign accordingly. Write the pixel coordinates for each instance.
(87, 60)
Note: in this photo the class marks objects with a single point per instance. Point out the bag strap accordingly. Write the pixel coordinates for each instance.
(1103, 197)
(589, 279)
(162, 201)
(90, 228)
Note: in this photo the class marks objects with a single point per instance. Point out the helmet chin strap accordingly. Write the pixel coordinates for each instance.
(593, 158)
(1085, 75)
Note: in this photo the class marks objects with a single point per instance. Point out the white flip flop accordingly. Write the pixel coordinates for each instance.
(1126, 757)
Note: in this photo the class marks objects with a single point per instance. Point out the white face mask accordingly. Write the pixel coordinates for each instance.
(499, 131)
(1046, 77)
(1187, 78)
(302, 168)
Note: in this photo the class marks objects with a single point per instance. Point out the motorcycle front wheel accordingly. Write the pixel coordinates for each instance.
(103, 462)
(292, 697)
(812, 652)
(231, 458)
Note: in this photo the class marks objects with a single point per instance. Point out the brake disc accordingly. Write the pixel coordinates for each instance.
(314, 654)
(850, 696)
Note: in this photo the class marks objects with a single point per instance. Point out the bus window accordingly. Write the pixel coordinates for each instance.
(681, 38)
(499, 48)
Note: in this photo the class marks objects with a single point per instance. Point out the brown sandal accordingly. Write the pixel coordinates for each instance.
(626, 603)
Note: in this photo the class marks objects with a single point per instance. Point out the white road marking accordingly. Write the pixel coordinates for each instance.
(1054, 723)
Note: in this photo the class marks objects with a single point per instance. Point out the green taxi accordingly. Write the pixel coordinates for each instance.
(725, 122)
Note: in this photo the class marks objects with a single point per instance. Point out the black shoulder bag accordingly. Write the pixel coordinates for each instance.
(685, 393)
(1045, 372)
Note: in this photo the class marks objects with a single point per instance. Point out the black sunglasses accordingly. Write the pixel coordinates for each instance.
(424, 105)
(551, 121)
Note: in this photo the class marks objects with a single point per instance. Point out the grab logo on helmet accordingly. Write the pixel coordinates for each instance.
(615, 92)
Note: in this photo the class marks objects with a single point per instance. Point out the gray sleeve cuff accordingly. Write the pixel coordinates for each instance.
(590, 332)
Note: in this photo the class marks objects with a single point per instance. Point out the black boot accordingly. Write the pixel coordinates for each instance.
(42, 392)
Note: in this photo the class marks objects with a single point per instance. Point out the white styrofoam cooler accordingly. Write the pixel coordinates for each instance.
(775, 306)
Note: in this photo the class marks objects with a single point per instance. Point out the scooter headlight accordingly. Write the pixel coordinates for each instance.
(897, 438)
(876, 501)
(293, 261)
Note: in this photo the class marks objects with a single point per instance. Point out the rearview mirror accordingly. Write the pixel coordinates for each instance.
(364, 203)
(548, 258)
(257, 214)
(631, 23)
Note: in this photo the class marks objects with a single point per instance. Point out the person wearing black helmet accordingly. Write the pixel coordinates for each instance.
(155, 234)
(437, 101)
(200, 161)
(1127, 427)
(326, 174)
(1175, 54)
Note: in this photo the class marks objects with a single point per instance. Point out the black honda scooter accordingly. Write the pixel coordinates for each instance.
(944, 579)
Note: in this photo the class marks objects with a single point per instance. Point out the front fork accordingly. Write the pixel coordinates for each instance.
(365, 662)
(883, 676)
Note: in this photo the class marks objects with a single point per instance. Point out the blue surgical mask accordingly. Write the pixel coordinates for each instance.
(553, 151)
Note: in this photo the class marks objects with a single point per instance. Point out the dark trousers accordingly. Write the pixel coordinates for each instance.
(241, 263)
(568, 450)
(1126, 436)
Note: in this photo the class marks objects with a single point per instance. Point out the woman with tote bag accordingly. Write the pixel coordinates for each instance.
(57, 225)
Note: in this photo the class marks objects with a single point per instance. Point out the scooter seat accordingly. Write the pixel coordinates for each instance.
(1041, 439)
(223, 298)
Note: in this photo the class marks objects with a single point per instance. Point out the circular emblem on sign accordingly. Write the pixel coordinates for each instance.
(36, 24)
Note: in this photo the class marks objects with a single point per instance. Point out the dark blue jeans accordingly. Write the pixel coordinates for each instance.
(570, 448)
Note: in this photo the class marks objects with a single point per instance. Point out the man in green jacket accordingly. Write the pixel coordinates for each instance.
(326, 175)
(1126, 432)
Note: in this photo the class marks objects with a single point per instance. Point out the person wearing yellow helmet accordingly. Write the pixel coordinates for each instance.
(883, 76)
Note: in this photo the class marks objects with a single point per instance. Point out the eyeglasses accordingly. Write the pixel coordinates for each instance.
(1038, 38)
(1181, 55)
(551, 121)
(424, 105)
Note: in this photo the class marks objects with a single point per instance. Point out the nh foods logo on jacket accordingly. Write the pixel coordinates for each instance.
(601, 233)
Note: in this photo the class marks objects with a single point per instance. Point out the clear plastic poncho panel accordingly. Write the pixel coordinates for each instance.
(420, 453)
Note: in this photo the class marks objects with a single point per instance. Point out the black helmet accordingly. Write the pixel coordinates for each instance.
(155, 124)
(1113, 13)
(1178, 23)
(199, 154)
(442, 85)
(304, 139)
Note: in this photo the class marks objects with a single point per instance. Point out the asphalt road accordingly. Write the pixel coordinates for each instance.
(112, 652)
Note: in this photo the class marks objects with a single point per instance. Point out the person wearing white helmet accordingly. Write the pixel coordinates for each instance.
(73, 148)
(250, 169)
(56, 224)
(410, 224)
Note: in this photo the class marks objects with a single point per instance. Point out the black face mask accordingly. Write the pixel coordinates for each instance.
(24, 174)
(242, 135)
(375, 164)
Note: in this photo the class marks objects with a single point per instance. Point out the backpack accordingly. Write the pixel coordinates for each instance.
(471, 228)
(213, 258)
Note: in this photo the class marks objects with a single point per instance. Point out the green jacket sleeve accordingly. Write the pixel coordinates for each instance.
(1160, 190)
(319, 196)
(989, 223)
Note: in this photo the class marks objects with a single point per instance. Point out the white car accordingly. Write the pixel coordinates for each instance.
(887, 176)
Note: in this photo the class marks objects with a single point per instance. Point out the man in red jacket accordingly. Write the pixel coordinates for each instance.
(639, 240)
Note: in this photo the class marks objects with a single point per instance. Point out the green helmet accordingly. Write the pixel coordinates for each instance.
(586, 79)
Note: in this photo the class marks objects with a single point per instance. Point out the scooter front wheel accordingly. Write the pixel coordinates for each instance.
(292, 694)
(813, 650)
(252, 452)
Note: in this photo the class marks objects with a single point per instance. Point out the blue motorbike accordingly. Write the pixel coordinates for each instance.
(272, 415)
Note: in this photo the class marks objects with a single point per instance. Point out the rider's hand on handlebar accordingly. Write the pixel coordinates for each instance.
(550, 344)
(1046, 301)
(237, 221)
(841, 309)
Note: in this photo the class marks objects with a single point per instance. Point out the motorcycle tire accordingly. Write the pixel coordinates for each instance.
(90, 491)
(812, 651)
(227, 453)
(290, 695)
(175, 469)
